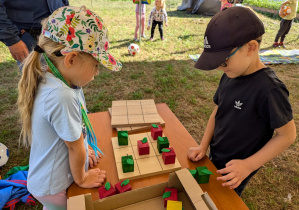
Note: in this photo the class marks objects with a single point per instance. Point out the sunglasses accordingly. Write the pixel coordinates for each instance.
(230, 55)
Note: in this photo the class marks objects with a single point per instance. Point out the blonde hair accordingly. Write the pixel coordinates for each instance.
(31, 77)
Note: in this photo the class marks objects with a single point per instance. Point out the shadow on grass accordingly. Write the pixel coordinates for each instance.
(278, 48)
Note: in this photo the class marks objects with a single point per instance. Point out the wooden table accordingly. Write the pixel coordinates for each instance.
(179, 138)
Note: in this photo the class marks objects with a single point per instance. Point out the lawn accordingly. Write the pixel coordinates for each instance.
(163, 71)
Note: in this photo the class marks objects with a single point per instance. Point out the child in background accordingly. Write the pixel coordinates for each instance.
(225, 4)
(157, 16)
(251, 102)
(143, 9)
(286, 23)
(52, 105)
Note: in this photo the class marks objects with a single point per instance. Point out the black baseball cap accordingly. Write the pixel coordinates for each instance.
(228, 29)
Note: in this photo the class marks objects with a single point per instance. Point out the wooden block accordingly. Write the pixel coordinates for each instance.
(156, 131)
(136, 137)
(115, 144)
(143, 148)
(149, 165)
(118, 153)
(136, 119)
(103, 192)
(174, 205)
(201, 176)
(121, 187)
(123, 138)
(162, 142)
(173, 196)
(169, 156)
(119, 103)
(152, 118)
(152, 152)
(126, 165)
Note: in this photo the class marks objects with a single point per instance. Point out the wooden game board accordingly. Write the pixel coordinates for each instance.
(144, 165)
(133, 129)
(134, 113)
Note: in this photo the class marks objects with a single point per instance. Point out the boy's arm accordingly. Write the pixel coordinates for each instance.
(77, 155)
(238, 170)
(197, 153)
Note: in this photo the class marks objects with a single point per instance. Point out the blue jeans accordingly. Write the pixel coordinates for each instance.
(30, 42)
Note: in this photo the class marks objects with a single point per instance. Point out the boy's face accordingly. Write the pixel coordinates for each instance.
(241, 62)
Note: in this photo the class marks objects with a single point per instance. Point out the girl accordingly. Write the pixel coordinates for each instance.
(225, 4)
(52, 107)
(142, 21)
(157, 16)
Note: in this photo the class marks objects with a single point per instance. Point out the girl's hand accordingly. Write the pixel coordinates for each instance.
(94, 178)
(196, 153)
(92, 159)
(148, 28)
(236, 171)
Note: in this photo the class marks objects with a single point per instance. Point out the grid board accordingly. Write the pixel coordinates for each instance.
(144, 165)
(129, 113)
(133, 129)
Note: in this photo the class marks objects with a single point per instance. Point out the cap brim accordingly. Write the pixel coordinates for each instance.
(108, 61)
(211, 60)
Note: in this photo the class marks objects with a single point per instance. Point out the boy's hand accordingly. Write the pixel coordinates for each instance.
(236, 171)
(92, 159)
(93, 178)
(148, 28)
(196, 153)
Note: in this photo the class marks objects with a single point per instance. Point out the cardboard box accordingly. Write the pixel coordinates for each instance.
(149, 198)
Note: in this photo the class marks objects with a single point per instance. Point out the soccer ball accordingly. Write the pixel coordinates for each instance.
(133, 49)
(286, 11)
(4, 154)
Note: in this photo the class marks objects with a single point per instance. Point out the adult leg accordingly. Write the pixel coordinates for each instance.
(142, 24)
(53, 202)
(153, 28)
(161, 29)
(137, 25)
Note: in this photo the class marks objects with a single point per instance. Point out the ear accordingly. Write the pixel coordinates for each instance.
(253, 47)
(70, 59)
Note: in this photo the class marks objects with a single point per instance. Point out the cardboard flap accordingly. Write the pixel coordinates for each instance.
(80, 202)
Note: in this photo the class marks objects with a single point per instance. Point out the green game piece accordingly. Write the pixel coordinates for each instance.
(201, 176)
(122, 138)
(162, 143)
(144, 140)
(127, 163)
(193, 172)
(125, 182)
(167, 194)
(107, 186)
(154, 126)
(206, 171)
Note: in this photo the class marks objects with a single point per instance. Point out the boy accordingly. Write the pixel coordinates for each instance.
(251, 102)
(286, 23)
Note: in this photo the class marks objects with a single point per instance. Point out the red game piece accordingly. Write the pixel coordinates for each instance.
(143, 148)
(173, 196)
(123, 186)
(106, 191)
(168, 157)
(156, 131)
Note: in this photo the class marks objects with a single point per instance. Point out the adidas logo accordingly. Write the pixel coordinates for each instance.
(206, 43)
(238, 105)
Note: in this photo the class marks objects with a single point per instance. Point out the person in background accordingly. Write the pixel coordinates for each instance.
(285, 23)
(225, 4)
(143, 9)
(251, 102)
(156, 17)
(20, 24)
(52, 106)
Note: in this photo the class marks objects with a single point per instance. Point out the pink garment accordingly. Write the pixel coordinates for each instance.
(224, 4)
(57, 201)
(137, 25)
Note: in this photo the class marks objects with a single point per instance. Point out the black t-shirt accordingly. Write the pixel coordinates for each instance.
(249, 109)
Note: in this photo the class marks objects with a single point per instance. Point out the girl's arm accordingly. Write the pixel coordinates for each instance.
(77, 155)
(150, 17)
(165, 15)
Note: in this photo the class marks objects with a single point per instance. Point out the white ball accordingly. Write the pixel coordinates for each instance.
(133, 49)
(4, 154)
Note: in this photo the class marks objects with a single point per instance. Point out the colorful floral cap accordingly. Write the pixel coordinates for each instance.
(80, 29)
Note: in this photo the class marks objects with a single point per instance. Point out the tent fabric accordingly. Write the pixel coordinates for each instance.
(202, 7)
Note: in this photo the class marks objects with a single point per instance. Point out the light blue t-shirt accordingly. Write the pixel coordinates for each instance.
(56, 117)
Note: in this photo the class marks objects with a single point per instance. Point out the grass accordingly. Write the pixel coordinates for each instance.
(271, 4)
(163, 71)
